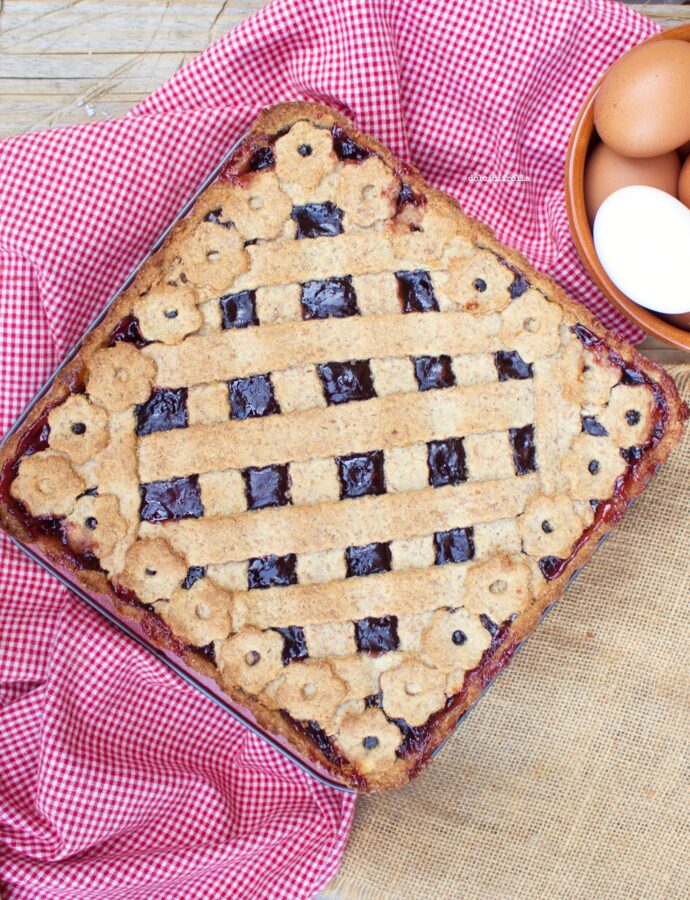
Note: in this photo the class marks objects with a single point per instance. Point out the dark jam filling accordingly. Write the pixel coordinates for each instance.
(317, 220)
(407, 197)
(332, 298)
(415, 291)
(346, 382)
(377, 636)
(128, 331)
(267, 486)
(194, 574)
(262, 158)
(510, 365)
(524, 451)
(587, 338)
(295, 646)
(164, 410)
(174, 499)
(361, 474)
(252, 397)
(272, 571)
(346, 148)
(447, 462)
(371, 559)
(590, 425)
(631, 455)
(520, 281)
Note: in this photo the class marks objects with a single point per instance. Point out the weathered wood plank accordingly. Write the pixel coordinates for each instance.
(130, 26)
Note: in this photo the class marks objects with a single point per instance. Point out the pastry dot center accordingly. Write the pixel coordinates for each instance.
(304, 149)
(413, 689)
(632, 417)
(203, 611)
(78, 428)
(368, 192)
(256, 202)
(45, 486)
(252, 658)
(370, 742)
(546, 526)
(150, 571)
(593, 467)
(171, 314)
(213, 256)
(499, 586)
(530, 324)
(479, 285)
(91, 523)
(458, 637)
(309, 690)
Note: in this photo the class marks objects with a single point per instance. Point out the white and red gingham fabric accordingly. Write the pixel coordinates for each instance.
(117, 779)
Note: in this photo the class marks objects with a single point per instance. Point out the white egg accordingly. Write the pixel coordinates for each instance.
(642, 239)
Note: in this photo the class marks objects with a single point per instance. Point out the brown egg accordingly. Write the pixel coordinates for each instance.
(684, 183)
(643, 105)
(607, 171)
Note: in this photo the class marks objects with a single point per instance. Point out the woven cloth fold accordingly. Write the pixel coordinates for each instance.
(115, 778)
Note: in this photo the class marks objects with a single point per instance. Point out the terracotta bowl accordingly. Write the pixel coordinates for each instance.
(582, 140)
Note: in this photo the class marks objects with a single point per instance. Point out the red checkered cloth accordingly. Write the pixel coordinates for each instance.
(116, 778)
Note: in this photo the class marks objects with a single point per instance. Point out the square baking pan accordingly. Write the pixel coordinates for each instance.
(136, 629)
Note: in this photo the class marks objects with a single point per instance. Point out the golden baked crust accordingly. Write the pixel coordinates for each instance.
(337, 447)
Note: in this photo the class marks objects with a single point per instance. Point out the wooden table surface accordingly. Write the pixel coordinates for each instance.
(69, 61)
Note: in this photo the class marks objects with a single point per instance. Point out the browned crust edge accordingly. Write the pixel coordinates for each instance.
(266, 125)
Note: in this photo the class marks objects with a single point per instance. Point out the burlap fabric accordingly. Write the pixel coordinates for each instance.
(569, 779)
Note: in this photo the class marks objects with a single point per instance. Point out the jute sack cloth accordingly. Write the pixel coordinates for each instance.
(569, 779)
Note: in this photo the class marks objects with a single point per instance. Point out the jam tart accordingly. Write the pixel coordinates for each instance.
(337, 447)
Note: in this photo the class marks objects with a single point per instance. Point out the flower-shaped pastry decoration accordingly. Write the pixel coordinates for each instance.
(549, 526)
(592, 467)
(96, 524)
(78, 428)
(367, 192)
(309, 690)
(498, 588)
(152, 570)
(369, 739)
(413, 691)
(257, 205)
(251, 659)
(530, 326)
(210, 256)
(479, 283)
(305, 155)
(200, 613)
(455, 639)
(47, 484)
(119, 377)
(628, 414)
(168, 313)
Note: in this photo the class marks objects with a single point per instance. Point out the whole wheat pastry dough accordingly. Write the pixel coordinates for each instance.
(337, 447)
